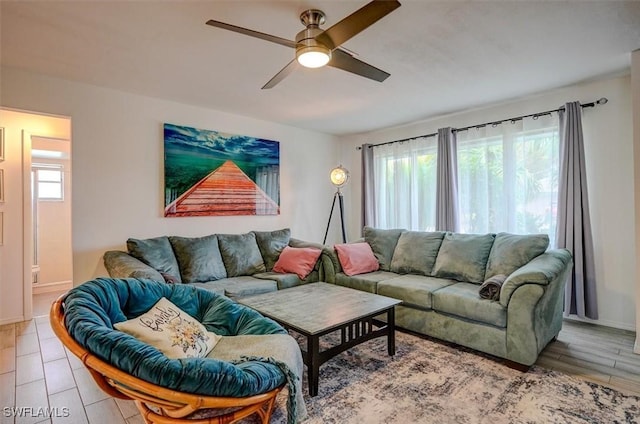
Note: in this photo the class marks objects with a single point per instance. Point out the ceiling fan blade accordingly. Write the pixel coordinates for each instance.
(346, 62)
(252, 33)
(284, 72)
(356, 22)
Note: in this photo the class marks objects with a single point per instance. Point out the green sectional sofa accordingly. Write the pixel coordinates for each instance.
(438, 275)
(235, 265)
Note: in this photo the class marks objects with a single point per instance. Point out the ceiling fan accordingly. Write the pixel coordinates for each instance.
(316, 47)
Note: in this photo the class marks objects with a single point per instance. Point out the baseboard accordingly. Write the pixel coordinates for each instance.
(603, 323)
(11, 320)
(52, 287)
(636, 345)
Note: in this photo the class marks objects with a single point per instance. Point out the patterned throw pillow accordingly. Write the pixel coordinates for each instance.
(171, 330)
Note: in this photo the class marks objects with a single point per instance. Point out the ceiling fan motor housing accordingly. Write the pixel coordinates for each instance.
(305, 39)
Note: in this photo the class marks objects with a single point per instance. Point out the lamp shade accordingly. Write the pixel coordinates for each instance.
(339, 176)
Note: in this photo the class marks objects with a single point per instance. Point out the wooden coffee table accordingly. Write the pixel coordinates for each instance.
(317, 309)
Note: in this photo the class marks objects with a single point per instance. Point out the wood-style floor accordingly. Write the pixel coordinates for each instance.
(36, 371)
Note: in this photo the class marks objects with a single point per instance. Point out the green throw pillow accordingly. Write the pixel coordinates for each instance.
(511, 251)
(271, 244)
(383, 243)
(463, 257)
(199, 258)
(241, 254)
(155, 252)
(416, 252)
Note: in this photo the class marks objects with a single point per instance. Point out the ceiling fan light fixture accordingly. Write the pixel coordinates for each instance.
(313, 56)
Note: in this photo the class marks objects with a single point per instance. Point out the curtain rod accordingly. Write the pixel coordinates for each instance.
(601, 101)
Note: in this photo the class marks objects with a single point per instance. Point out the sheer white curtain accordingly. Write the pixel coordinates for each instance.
(405, 184)
(508, 177)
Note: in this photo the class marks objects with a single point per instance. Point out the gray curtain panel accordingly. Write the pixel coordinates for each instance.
(447, 190)
(574, 223)
(368, 192)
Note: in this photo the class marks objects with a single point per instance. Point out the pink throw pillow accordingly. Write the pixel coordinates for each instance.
(356, 258)
(297, 260)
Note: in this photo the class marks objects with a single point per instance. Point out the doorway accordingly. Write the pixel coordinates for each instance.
(52, 269)
(20, 131)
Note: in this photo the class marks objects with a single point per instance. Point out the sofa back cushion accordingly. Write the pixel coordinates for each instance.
(199, 258)
(241, 254)
(416, 252)
(271, 244)
(155, 252)
(463, 257)
(383, 243)
(511, 251)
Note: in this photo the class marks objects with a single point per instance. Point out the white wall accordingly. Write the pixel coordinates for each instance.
(610, 167)
(15, 300)
(118, 166)
(635, 90)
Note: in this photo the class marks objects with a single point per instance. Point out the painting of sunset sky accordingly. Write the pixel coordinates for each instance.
(211, 173)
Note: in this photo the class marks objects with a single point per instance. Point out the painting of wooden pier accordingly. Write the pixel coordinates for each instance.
(208, 173)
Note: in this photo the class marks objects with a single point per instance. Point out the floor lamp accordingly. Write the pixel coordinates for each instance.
(339, 177)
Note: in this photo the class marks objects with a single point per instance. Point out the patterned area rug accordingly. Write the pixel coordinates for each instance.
(432, 382)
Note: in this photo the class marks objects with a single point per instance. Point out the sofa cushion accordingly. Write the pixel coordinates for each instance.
(271, 244)
(383, 243)
(463, 257)
(416, 252)
(199, 258)
(235, 287)
(170, 330)
(462, 300)
(297, 260)
(365, 282)
(413, 290)
(241, 254)
(356, 258)
(288, 280)
(155, 252)
(511, 251)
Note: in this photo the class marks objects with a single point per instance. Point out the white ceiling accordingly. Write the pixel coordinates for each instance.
(443, 56)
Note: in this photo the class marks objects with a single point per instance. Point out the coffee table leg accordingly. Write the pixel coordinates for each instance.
(313, 366)
(391, 328)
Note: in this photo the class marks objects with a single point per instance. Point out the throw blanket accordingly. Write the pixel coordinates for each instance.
(490, 289)
(279, 349)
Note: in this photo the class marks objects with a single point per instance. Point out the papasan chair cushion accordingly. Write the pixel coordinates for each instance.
(92, 309)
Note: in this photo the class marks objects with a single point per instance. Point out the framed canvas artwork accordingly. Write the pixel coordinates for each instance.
(211, 173)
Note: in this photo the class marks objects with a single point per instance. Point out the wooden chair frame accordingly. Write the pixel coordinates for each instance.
(171, 406)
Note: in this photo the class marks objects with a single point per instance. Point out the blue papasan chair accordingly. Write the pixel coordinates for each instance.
(254, 360)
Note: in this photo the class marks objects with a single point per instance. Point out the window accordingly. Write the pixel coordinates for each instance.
(49, 180)
(508, 178)
(405, 184)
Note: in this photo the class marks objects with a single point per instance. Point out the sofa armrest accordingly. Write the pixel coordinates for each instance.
(542, 270)
(324, 265)
(122, 265)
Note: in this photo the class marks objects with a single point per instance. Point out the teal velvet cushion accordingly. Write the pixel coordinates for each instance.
(199, 258)
(271, 244)
(92, 308)
(511, 251)
(157, 253)
(463, 257)
(416, 252)
(241, 254)
(383, 243)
